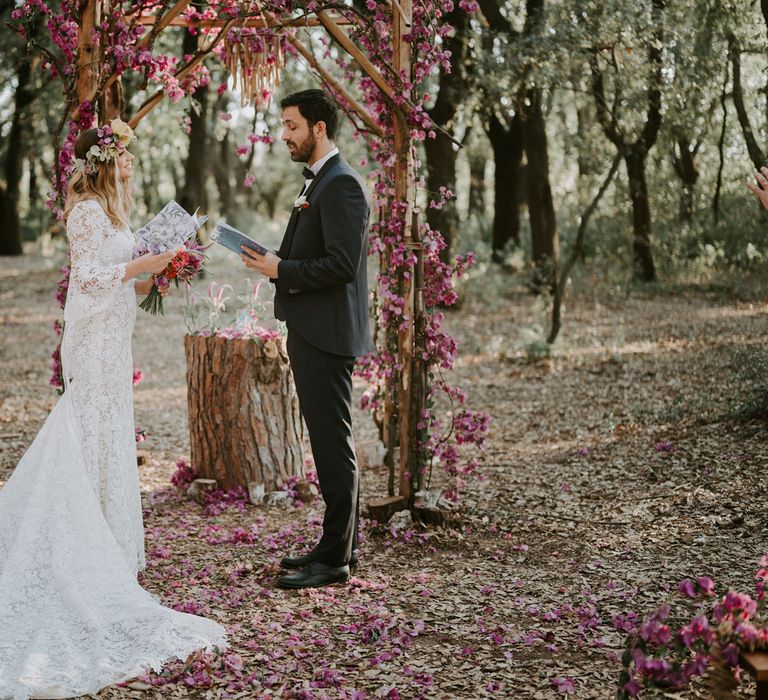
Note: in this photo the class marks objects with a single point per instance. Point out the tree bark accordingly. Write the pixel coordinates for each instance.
(756, 153)
(193, 194)
(477, 160)
(440, 153)
(645, 269)
(635, 154)
(244, 419)
(10, 225)
(721, 147)
(684, 162)
(545, 243)
(577, 252)
(507, 145)
(441, 172)
(222, 167)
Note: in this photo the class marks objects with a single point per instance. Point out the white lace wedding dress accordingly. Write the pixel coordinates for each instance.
(73, 617)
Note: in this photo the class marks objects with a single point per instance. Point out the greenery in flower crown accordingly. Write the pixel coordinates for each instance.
(114, 138)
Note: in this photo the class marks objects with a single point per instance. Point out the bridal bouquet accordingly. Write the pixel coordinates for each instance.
(186, 264)
(173, 229)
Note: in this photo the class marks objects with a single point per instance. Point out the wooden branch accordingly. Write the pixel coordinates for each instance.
(721, 146)
(401, 103)
(363, 113)
(604, 115)
(198, 58)
(362, 60)
(87, 56)
(405, 18)
(578, 246)
(253, 22)
(491, 10)
(160, 22)
(653, 118)
(756, 154)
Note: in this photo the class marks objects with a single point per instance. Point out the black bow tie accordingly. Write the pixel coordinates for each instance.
(308, 174)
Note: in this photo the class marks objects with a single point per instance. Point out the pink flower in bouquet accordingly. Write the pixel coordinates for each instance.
(188, 262)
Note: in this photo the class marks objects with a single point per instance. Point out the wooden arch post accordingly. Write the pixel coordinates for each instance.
(402, 16)
(87, 52)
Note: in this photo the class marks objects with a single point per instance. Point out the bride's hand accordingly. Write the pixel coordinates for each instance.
(154, 263)
(164, 289)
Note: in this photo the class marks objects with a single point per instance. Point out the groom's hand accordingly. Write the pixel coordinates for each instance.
(762, 191)
(264, 264)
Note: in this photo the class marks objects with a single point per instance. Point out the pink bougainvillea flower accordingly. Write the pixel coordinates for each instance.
(687, 588)
(564, 685)
(706, 585)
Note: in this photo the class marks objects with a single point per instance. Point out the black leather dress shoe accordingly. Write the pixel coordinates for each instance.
(296, 562)
(314, 575)
(301, 561)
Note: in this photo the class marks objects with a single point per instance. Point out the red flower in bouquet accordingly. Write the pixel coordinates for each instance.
(188, 262)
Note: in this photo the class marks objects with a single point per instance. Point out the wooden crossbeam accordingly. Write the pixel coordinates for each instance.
(250, 23)
(362, 60)
(160, 22)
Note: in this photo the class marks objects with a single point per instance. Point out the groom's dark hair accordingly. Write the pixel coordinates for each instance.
(315, 106)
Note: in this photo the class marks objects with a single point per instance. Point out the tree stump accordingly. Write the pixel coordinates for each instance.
(244, 419)
(382, 509)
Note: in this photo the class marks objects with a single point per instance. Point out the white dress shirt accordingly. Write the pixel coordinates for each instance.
(319, 163)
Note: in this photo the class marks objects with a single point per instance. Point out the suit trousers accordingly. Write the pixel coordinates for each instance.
(324, 386)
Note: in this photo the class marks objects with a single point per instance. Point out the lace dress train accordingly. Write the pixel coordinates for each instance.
(73, 618)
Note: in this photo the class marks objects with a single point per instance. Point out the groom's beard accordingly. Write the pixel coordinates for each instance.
(304, 150)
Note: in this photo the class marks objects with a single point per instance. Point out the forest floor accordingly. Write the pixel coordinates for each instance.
(612, 471)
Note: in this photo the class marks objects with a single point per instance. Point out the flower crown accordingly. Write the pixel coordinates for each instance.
(114, 138)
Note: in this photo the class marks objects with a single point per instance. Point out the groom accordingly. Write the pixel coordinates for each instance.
(321, 292)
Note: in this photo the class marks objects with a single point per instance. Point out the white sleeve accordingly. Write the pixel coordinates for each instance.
(93, 283)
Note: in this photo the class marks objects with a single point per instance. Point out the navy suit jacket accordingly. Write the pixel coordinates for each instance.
(321, 290)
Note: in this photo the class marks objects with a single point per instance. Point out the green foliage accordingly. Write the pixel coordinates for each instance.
(537, 351)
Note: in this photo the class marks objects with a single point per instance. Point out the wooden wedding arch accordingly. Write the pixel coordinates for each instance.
(406, 393)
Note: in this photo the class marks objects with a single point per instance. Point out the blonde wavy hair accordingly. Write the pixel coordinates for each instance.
(103, 184)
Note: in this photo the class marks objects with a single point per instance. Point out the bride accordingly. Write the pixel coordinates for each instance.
(73, 617)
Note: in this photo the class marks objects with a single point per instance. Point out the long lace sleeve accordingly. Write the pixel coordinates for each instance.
(98, 261)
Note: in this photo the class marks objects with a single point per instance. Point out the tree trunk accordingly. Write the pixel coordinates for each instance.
(477, 160)
(222, 175)
(441, 156)
(10, 225)
(545, 243)
(721, 147)
(764, 10)
(111, 103)
(507, 145)
(685, 166)
(756, 153)
(584, 157)
(193, 195)
(441, 172)
(244, 419)
(645, 269)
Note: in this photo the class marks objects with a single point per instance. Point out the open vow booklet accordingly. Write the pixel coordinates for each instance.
(169, 229)
(233, 239)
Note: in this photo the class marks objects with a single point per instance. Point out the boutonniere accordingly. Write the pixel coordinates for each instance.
(301, 203)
